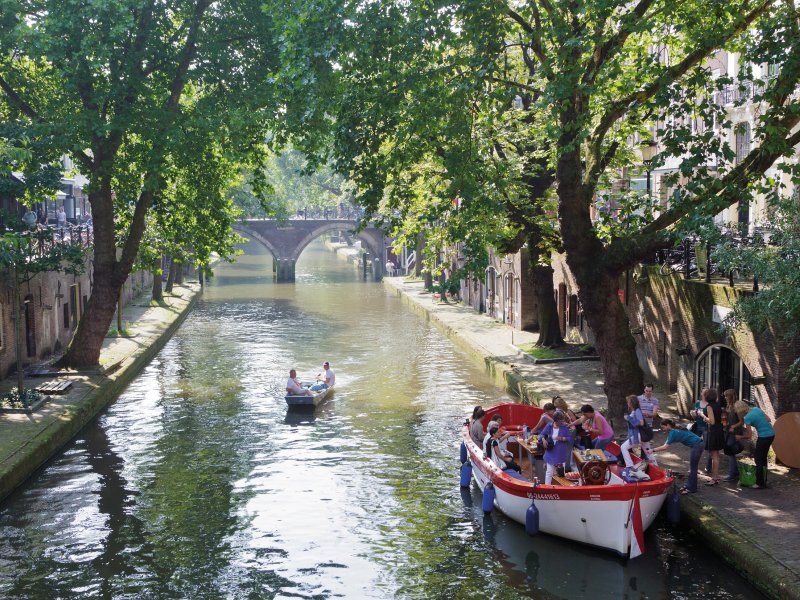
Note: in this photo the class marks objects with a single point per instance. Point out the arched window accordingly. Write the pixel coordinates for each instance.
(722, 368)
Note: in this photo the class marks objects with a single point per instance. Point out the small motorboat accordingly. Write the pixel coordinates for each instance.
(604, 505)
(310, 401)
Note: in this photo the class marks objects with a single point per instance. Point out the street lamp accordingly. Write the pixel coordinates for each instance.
(648, 149)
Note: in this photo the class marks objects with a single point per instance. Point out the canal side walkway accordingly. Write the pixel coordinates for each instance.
(27, 441)
(756, 531)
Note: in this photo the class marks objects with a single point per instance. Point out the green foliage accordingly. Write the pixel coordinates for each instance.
(17, 399)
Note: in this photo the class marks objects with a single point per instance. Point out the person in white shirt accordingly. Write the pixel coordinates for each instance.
(327, 381)
(294, 387)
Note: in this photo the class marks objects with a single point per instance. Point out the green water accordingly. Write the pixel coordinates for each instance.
(197, 482)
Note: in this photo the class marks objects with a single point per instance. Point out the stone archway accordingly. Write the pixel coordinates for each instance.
(287, 240)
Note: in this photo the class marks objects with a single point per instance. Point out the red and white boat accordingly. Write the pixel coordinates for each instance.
(612, 514)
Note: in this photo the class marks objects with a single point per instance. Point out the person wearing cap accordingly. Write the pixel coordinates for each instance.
(557, 443)
(323, 383)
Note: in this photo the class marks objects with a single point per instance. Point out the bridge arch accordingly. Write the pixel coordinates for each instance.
(287, 240)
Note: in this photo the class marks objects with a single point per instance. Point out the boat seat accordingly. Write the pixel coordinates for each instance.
(557, 480)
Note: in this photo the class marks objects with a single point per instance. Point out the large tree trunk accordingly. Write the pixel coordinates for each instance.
(606, 316)
(547, 313)
(597, 284)
(171, 276)
(179, 273)
(158, 294)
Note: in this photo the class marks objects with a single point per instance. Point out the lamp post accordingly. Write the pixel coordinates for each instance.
(648, 149)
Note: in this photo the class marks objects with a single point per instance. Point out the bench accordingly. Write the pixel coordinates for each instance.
(557, 480)
(54, 387)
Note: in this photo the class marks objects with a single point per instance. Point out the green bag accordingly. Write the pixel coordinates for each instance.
(747, 475)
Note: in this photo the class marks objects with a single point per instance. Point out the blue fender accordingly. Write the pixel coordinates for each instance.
(532, 519)
(674, 508)
(463, 453)
(488, 498)
(466, 474)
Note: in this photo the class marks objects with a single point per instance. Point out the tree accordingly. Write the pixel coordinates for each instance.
(593, 77)
(116, 83)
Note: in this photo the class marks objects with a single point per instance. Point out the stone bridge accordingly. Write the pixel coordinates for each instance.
(286, 240)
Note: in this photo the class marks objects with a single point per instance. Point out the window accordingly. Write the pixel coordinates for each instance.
(573, 310)
(742, 141)
(721, 368)
(66, 315)
(75, 306)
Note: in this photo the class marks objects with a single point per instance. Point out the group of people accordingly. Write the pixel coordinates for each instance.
(324, 380)
(559, 430)
(717, 428)
(39, 219)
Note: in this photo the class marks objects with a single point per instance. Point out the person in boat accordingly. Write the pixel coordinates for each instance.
(557, 443)
(595, 423)
(325, 379)
(648, 404)
(635, 420)
(502, 458)
(547, 417)
(687, 438)
(569, 419)
(476, 427)
(502, 436)
(754, 417)
(294, 387)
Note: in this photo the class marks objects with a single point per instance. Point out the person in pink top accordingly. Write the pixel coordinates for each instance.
(595, 424)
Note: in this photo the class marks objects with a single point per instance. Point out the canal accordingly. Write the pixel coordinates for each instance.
(197, 482)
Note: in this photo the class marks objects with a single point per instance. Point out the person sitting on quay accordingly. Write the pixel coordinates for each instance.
(326, 379)
(558, 444)
(754, 417)
(502, 458)
(595, 423)
(294, 387)
(687, 438)
(476, 427)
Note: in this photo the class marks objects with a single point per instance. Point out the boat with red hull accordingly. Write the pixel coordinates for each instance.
(604, 507)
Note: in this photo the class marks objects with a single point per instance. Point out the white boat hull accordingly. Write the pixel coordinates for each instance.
(599, 515)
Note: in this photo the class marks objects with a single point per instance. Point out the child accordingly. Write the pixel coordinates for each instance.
(557, 443)
(635, 420)
(687, 438)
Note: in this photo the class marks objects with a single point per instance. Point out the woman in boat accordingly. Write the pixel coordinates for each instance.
(595, 423)
(715, 438)
(476, 427)
(558, 444)
(570, 419)
(504, 460)
(635, 420)
(546, 418)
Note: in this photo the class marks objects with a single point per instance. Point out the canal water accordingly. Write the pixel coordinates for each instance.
(197, 482)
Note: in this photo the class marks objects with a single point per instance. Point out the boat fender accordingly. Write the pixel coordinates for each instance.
(463, 453)
(674, 508)
(532, 519)
(466, 474)
(488, 498)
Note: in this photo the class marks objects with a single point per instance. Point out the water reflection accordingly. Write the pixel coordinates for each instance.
(199, 483)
